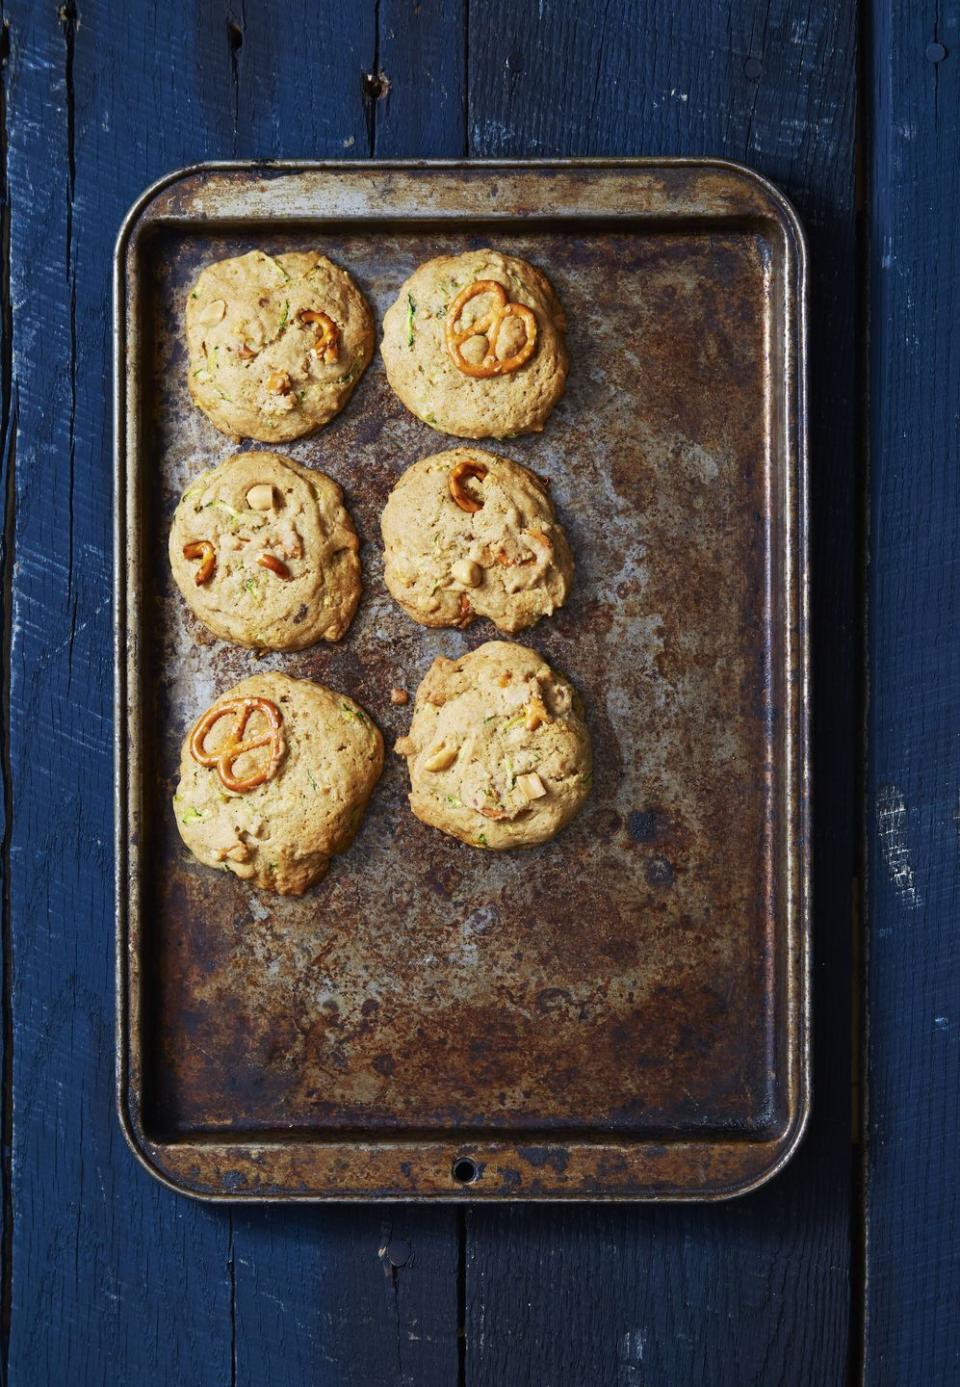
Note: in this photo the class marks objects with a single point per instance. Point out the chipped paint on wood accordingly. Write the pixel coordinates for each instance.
(892, 833)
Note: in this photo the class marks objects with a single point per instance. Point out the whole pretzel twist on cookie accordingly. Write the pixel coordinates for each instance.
(226, 756)
(488, 326)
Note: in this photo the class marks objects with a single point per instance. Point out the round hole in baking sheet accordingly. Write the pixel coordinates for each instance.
(465, 1170)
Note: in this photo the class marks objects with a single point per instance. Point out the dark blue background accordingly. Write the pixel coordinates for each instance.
(107, 1277)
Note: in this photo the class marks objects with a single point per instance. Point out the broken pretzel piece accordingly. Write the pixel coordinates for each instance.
(540, 538)
(536, 713)
(327, 344)
(203, 550)
(458, 491)
(274, 565)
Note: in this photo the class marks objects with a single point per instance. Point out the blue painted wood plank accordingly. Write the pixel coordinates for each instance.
(7, 425)
(350, 1297)
(913, 980)
(296, 78)
(109, 1269)
(94, 1241)
(757, 1291)
(112, 1276)
(421, 70)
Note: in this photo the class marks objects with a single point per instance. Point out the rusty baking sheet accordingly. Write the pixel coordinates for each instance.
(622, 1013)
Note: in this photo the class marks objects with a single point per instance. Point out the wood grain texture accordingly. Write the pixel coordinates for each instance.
(421, 57)
(7, 426)
(90, 1238)
(913, 993)
(727, 1294)
(111, 1277)
(351, 1297)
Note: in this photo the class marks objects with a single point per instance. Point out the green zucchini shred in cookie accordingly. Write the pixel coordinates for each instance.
(348, 376)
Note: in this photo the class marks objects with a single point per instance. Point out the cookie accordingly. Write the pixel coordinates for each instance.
(265, 553)
(498, 750)
(468, 534)
(474, 345)
(274, 779)
(276, 344)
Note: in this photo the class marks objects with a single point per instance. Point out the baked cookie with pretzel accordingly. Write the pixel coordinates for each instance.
(498, 750)
(265, 554)
(469, 534)
(274, 780)
(276, 343)
(474, 345)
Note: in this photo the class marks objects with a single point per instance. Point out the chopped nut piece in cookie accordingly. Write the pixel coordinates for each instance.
(467, 572)
(212, 312)
(279, 383)
(399, 697)
(260, 497)
(441, 757)
(531, 786)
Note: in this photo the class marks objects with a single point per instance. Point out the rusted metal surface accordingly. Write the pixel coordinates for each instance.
(623, 1012)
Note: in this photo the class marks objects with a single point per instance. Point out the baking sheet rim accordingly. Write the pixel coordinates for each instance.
(799, 941)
